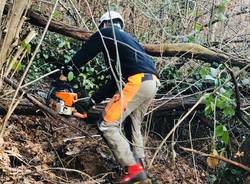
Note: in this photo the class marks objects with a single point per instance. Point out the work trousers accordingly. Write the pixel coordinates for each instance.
(134, 101)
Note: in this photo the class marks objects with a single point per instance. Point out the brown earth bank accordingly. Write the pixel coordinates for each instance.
(38, 150)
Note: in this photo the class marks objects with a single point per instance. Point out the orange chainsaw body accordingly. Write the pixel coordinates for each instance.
(67, 97)
(65, 104)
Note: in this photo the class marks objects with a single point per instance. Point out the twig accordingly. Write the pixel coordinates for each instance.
(73, 170)
(58, 156)
(79, 15)
(237, 97)
(45, 108)
(47, 74)
(191, 144)
(237, 164)
(173, 129)
(28, 66)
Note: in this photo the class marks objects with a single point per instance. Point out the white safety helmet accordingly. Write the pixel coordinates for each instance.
(111, 15)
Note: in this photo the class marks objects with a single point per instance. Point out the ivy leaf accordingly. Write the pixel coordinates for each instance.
(61, 44)
(45, 56)
(203, 72)
(220, 103)
(214, 72)
(229, 111)
(191, 39)
(221, 133)
(246, 81)
(225, 137)
(209, 77)
(70, 76)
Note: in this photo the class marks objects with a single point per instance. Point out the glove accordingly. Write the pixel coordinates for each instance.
(83, 105)
(61, 84)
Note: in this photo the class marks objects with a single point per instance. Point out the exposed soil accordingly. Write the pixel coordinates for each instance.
(37, 150)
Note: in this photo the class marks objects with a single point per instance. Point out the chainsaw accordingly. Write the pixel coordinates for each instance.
(61, 101)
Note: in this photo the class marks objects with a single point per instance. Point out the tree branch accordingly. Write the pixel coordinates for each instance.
(237, 164)
(186, 50)
(237, 97)
(44, 108)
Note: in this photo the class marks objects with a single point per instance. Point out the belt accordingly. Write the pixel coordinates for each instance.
(140, 77)
(148, 76)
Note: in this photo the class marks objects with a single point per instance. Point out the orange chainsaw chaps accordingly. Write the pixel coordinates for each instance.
(67, 97)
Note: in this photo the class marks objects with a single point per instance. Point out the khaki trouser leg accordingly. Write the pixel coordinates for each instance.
(137, 118)
(137, 106)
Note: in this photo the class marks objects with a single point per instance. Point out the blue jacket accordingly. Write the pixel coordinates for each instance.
(132, 57)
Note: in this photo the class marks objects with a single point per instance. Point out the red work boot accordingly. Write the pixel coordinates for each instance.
(136, 174)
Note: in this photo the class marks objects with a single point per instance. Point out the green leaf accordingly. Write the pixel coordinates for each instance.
(210, 103)
(204, 71)
(209, 77)
(45, 56)
(191, 39)
(221, 133)
(214, 72)
(26, 46)
(229, 111)
(197, 27)
(76, 86)
(219, 130)
(17, 66)
(70, 76)
(246, 81)
(61, 44)
(225, 137)
(56, 14)
(220, 103)
(221, 17)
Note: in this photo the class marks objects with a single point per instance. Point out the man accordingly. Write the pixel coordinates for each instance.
(126, 60)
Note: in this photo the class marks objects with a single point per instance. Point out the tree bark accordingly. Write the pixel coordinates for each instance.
(44, 108)
(2, 5)
(192, 51)
(176, 104)
(58, 27)
(186, 50)
(12, 27)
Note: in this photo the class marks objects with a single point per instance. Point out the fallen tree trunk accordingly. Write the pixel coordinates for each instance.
(58, 27)
(168, 109)
(22, 109)
(44, 108)
(192, 51)
(186, 50)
